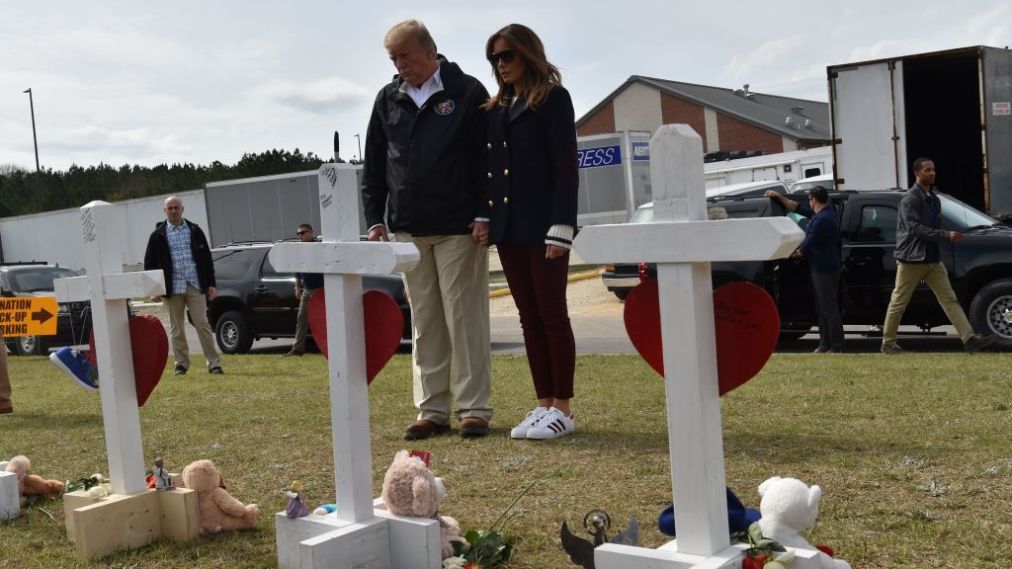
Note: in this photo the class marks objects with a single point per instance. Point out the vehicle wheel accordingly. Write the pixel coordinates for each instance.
(792, 335)
(26, 345)
(991, 311)
(233, 334)
(622, 294)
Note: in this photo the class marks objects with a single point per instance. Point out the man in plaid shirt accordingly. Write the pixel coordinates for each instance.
(179, 248)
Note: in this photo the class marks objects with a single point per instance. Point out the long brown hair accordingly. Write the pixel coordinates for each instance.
(539, 75)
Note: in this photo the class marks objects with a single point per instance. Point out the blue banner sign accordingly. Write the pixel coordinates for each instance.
(641, 150)
(600, 156)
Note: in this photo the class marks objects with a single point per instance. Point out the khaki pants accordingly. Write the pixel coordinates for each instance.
(5, 380)
(194, 301)
(448, 292)
(908, 275)
(302, 322)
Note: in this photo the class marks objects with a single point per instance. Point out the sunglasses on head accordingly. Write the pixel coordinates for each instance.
(301, 232)
(506, 56)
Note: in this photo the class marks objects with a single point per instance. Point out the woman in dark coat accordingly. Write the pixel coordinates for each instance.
(531, 207)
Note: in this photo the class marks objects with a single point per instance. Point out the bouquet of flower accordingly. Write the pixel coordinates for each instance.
(96, 485)
(763, 552)
(485, 549)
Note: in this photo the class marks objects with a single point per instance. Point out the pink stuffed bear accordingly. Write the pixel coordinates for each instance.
(410, 489)
(30, 484)
(219, 511)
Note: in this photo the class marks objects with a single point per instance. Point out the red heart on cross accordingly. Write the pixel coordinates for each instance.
(150, 350)
(383, 325)
(746, 323)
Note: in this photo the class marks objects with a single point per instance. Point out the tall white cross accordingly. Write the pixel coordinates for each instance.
(683, 243)
(343, 259)
(109, 289)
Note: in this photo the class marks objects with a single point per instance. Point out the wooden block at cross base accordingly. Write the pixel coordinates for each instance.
(414, 542)
(116, 522)
(179, 514)
(10, 497)
(71, 502)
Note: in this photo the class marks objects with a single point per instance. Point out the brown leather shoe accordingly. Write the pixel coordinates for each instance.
(423, 429)
(473, 427)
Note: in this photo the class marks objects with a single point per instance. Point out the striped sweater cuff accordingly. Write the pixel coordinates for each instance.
(561, 235)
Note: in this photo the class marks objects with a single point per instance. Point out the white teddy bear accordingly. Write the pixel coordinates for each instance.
(789, 507)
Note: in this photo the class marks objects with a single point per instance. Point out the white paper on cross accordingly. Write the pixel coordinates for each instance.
(109, 289)
(683, 243)
(343, 262)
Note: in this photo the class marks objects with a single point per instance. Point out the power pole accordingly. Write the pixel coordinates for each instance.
(35, 139)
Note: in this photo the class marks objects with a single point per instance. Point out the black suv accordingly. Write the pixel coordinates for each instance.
(73, 319)
(255, 301)
(979, 266)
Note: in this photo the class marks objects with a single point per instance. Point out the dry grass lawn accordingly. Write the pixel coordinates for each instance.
(913, 452)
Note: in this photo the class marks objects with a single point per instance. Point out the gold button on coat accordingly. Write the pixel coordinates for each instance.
(506, 172)
(506, 200)
(490, 204)
(504, 144)
(490, 146)
(490, 175)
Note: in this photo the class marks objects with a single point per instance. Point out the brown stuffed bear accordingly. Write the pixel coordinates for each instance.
(218, 509)
(410, 489)
(30, 484)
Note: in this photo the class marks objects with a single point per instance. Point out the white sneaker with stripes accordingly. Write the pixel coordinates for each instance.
(520, 431)
(552, 425)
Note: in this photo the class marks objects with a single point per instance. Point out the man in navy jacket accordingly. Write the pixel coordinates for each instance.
(422, 182)
(821, 247)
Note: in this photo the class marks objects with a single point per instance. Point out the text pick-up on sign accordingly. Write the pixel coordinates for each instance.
(28, 316)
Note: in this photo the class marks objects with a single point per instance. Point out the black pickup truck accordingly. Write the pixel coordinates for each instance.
(980, 265)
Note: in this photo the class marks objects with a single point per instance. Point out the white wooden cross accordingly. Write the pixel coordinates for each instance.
(683, 243)
(109, 289)
(356, 535)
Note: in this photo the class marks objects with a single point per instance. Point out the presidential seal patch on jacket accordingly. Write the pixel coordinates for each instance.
(444, 108)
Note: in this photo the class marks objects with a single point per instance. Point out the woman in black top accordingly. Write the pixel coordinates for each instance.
(531, 207)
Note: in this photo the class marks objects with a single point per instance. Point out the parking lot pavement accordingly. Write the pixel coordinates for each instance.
(596, 315)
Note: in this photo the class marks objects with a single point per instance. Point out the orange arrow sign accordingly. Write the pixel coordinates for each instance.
(28, 316)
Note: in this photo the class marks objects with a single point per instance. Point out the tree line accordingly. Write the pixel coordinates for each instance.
(23, 191)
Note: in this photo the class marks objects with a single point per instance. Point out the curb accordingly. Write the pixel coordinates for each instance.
(581, 276)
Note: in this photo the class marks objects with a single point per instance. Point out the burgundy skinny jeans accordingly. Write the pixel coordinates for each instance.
(538, 287)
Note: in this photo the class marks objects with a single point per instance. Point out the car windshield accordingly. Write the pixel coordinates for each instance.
(963, 217)
(35, 280)
(645, 214)
(805, 186)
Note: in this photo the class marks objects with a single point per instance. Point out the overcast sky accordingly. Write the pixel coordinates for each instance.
(179, 81)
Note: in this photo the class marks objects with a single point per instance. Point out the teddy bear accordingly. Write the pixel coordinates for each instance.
(789, 507)
(410, 489)
(30, 484)
(219, 511)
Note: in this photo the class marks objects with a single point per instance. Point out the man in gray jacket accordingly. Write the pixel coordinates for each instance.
(918, 233)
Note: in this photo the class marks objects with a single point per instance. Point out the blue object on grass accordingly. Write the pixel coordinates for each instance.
(75, 365)
(738, 516)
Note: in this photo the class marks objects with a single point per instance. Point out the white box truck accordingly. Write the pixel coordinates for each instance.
(951, 106)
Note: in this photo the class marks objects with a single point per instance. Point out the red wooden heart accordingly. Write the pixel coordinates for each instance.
(150, 351)
(746, 323)
(383, 325)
